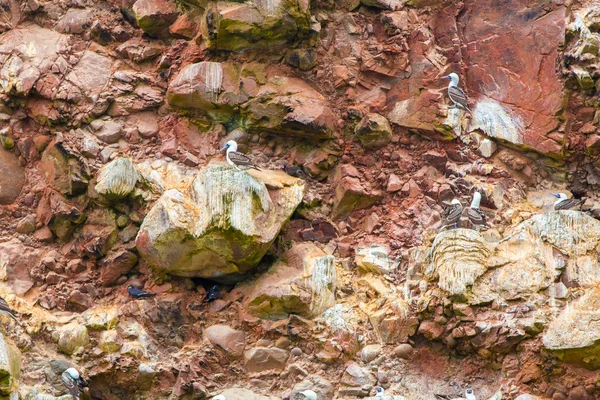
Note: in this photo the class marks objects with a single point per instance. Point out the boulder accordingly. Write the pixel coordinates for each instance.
(116, 179)
(255, 24)
(356, 380)
(101, 318)
(221, 225)
(458, 258)
(110, 341)
(573, 335)
(303, 283)
(115, 264)
(16, 260)
(10, 368)
(74, 21)
(72, 338)
(375, 258)
(12, 177)
(373, 131)
(350, 195)
(64, 172)
(231, 341)
(260, 359)
(244, 394)
(321, 386)
(155, 16)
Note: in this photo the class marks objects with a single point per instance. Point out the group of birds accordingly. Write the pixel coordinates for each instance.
(379, 392)
(454, 211)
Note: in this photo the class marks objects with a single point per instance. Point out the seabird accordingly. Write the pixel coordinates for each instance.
(456, 94)
(309, 394)
(213, 293)
(219, 397)
(475, 214)
(137, 293)
(564, 203)
(238, 160)
(74, 382)
(379, 392)
(5, 309)
(468, 396)
(452, 213)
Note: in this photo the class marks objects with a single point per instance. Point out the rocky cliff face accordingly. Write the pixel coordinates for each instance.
(330, 272)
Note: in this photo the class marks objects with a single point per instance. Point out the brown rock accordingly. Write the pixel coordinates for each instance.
(184, 27)
(44, 234)
(155, 16)
(431, 330)
(74, 21)
(394, 183)
(139, 50)
(12, 177)
(316, 383)
(579, 393)
(231, 341)
(115, 264)
(403, 350)
(356, 380)
(373, 131)
(411, 189)
(260, 359)
(436, 159)
(26, 225)
(350, 195)
(78, 301)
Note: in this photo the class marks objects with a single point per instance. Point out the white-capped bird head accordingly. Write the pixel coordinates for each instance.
(469, 394)
(219, 397)
(455, 201)
(453, 78)
(379, 392)
(230, 145)
(560, 196)
(476, 199)
(73, 373)
(309, 394)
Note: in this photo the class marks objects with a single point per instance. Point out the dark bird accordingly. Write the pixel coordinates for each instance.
(238, 160)
(452, 213)
(212, 294)
(5, 309)
(137, 293)
(295, 171)
(129, 16)
(469, 395)
(564, 203)
(74, 382)
(476, 214)
(456, 94)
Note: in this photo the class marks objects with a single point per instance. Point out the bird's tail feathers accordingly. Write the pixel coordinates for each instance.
(256, 168)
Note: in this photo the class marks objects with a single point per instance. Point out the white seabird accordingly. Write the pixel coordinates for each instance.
(475, 214)
(238, 160)
(451, 214)
(379, 392)
(456, 94)
(564, 203)
(309, 394)
(469, 395)
(74, 382)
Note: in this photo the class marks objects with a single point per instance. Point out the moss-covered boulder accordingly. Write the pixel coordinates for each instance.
(303, 283)
(155, 16)
(221, 225)
(373, 131)
(256, 24)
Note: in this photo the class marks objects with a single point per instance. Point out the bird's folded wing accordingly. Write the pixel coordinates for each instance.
(457, 95)
(4, 306)
(477, 216)
(568, 204)
(69, 382)
(452, 212)
(239, 158)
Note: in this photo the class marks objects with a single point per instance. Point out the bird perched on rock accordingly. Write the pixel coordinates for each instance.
(379, 392)
(452, 213)
(238, 160)
(137, 293)
(564, 203)
(456, 94)
(295, 171)
(74, 382)
(469, 395)
(475, 214)
(309, 394)
(5, 309)
(213, 293)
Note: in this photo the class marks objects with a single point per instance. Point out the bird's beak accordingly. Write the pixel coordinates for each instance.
(224, 147)
(445, 77)
(556, 195)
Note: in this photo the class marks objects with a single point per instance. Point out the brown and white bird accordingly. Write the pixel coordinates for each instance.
(5, 309)
(74, 382)
(456, 94)
(452, 213)
(475, 214)
(238, 160)
(469, 395)
(564, 203)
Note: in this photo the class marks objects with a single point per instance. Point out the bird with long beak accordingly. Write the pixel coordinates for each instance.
(238, 160)
(469, 395)
(74, 382)
(456, 94)
(476, 214)
(452, 213)
(309, 395)
(6, 310)
(565, 203)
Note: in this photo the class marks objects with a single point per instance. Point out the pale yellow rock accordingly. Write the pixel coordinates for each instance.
(375, 258)
(101, 318)
(110, 341)
(73, 338)
(117, 179)
(221, 226)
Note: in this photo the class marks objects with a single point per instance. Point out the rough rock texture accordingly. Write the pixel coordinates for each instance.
(221, 226)
(331, 275)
